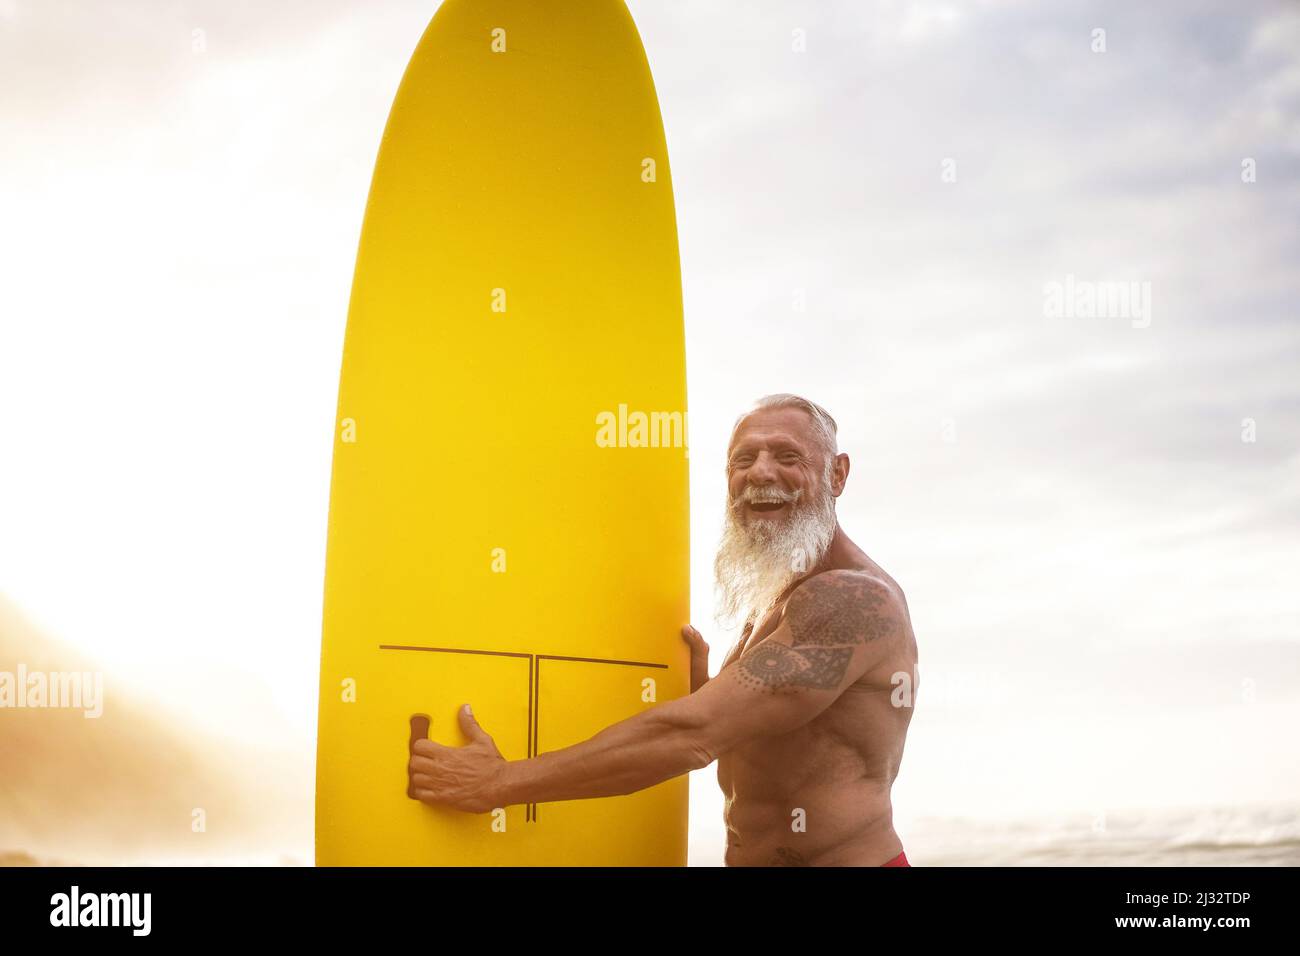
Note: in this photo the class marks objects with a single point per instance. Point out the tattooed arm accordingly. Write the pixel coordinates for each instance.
(836, 626)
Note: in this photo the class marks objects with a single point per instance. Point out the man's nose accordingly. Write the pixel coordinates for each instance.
(762, 471)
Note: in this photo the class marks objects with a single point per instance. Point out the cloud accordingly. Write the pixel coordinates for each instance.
(178, 231)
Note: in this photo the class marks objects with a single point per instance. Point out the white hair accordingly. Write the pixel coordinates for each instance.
(823, 425)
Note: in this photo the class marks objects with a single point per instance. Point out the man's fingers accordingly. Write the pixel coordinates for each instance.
(699, 657)
(428, 748)
(692, 635)
(420, 764)
(699, 647)
(469, 726)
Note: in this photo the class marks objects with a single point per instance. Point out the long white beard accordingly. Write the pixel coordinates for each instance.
(756, 562)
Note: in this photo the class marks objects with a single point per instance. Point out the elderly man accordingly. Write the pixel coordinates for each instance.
(807, 716)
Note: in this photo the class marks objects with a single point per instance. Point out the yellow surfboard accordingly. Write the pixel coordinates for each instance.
(508, 513)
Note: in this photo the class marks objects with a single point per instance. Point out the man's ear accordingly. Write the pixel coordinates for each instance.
(839, 474)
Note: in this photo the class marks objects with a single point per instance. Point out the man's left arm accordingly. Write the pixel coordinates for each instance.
(835, 628)
(631, 755)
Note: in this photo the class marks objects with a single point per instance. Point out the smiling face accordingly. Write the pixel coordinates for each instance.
(776, 460)
(782, 482)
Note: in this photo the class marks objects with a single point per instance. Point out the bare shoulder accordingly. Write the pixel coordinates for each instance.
(845, 606)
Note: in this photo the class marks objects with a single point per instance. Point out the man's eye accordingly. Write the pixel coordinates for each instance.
(742, 461)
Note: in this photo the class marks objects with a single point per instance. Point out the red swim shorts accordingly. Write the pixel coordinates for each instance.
(900, 860)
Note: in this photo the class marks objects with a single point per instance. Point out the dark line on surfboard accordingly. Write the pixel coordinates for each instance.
(534, 687)
(598, 660)
(549, 657)
(537, 716)
(451, 650)
(528, 815)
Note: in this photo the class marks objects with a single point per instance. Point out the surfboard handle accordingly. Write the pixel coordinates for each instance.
(419, 731)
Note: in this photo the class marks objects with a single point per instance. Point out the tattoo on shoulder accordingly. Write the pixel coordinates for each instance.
(770, 665)
(839, 609)
(828, 616)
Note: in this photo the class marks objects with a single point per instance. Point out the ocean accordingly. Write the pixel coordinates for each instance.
(1208, 836)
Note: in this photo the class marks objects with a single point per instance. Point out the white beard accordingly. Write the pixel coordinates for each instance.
(756, 562)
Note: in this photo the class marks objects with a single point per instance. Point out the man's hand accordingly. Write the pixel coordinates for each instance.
(465, 778)
(699, 657)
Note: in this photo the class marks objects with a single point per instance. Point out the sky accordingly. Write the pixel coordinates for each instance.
(1094, 518)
